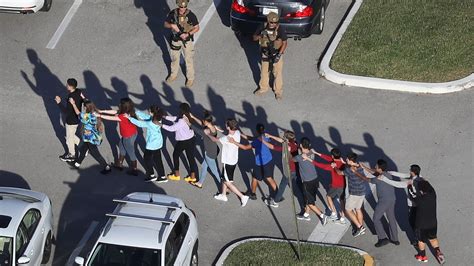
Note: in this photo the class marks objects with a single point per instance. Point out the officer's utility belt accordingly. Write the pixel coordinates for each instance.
(176, 38)
(268, 54)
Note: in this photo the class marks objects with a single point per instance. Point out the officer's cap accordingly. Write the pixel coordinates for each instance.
(272, 17)
(182, 3)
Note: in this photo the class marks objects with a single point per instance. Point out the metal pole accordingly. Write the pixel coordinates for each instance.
(286, 156)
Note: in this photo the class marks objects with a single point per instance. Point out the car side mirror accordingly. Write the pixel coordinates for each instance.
(23, 260)
(79, 260)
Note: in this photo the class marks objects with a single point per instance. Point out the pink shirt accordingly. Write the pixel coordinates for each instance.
(182, 130)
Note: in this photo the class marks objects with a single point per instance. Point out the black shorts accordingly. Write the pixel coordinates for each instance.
(263, 171)
(228, 172)
(310, 189)
(426, 234)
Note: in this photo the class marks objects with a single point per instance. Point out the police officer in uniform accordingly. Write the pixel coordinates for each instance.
(273, 41)
(183, 24)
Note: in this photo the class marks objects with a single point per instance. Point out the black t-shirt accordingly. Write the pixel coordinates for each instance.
(426, 211)
(71, 117)
(192, 19)
(281, 33)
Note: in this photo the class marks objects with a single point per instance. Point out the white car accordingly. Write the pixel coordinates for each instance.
(25, 6)
(146, 229)
(26, 227)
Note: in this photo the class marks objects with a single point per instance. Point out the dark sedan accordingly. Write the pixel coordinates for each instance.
(300, 18)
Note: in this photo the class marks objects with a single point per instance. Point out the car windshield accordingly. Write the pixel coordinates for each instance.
(6, 248)
(112, 255)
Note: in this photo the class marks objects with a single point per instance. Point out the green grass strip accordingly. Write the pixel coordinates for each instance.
(265, 252)
(414, 40)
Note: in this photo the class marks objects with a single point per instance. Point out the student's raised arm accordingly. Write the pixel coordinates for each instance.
(393, 183)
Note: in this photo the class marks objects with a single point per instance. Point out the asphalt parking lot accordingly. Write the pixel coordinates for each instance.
(117, 49)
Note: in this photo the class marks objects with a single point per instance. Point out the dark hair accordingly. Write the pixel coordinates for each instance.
(352, 156)
(72, 82)
(185, 110)
(207, 117)
(126, 106)
(426, 187)
(336, 153)
(289, 135)
(305, 143)
(157, 112)
(416, 169)
(382, 164)
(260, 128)
(231, 123)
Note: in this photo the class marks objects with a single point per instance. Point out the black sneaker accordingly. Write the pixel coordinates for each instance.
(251, 195)
(67, 157)
(396, 243)
(106, 170)
(162, 179)
(381, 243)
(152, 178)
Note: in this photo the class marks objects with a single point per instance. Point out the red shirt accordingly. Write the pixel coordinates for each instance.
(337, 180)
(127, 129)
(293, 150)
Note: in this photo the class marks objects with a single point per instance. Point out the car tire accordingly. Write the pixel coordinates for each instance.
(47, 249)
(47, 5)
(194, 256)
(319, 27)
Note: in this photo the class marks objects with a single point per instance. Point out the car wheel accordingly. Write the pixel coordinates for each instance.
(319, 27)
(47, 249)
(47, 5)
(194, 256)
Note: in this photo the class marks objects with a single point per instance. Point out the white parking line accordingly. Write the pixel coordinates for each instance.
(62, 27)
(81, 243)
(205, 19)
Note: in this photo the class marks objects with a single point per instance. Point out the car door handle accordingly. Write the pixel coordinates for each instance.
(42, 230)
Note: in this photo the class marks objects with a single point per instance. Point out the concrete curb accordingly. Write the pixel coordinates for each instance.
(368, 260)
(379, 83)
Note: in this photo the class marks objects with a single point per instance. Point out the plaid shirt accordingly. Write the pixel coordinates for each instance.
(356, 184)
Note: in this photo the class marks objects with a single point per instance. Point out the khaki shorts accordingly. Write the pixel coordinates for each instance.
(354, 202)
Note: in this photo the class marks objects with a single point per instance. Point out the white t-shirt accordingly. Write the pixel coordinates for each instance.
(230, 151)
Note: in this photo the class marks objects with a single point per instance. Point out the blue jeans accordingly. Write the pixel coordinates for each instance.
(297, 189)
(127, 146)
(212, 164)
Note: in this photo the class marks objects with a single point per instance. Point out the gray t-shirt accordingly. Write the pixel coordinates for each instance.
(385, 192)
(307, 169)
(210, 147)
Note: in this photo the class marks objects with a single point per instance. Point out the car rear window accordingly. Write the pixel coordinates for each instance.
(4, 221)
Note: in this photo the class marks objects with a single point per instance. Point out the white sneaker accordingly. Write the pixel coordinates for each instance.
(333, 216)
(220, 197)
(244, 199)
(341, 221)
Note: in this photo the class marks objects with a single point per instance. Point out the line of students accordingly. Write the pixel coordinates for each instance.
(421, 195)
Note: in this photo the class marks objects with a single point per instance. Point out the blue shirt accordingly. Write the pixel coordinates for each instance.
(263, 155)
(154, 138)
